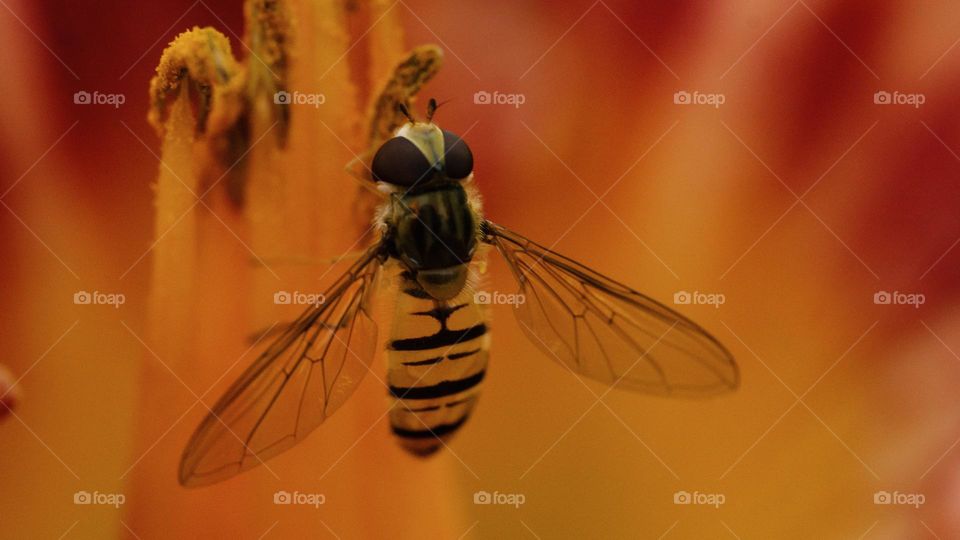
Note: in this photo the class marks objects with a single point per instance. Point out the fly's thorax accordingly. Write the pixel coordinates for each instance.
(434, 234)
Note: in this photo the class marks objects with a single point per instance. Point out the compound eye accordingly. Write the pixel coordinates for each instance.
(458, 159)
(400, 162)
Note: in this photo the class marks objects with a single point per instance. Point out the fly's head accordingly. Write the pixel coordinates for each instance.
(421, 155)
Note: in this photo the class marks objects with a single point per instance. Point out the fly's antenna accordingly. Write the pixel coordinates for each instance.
(402, 107)
(432, 107)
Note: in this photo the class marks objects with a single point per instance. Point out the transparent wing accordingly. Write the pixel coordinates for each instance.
(608, 332)
(302, 377)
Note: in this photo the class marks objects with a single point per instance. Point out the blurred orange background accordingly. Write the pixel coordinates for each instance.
(798, 199)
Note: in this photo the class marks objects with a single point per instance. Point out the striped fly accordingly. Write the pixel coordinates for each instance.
(430, 228)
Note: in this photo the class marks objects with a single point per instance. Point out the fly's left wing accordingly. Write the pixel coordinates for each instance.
(607, 331)
(304, 375)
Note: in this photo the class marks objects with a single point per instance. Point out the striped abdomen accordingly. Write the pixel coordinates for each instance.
(437, 357)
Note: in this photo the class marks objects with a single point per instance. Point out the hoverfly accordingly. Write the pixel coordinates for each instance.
(430, 229)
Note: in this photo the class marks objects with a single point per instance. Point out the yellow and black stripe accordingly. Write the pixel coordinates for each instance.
(437, 358)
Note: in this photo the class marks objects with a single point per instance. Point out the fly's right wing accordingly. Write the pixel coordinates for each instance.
(607, 331)
(305, 375)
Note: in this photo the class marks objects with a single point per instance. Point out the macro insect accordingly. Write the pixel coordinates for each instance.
(430, 229)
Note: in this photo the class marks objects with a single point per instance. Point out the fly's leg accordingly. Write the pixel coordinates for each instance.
(269, 333)
(294, 260)
(359, 169)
